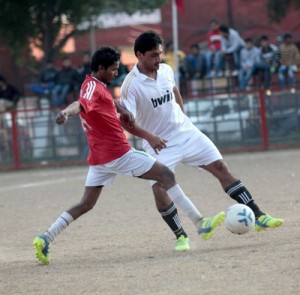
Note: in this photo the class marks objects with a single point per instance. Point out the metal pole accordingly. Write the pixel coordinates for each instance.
(175, 42)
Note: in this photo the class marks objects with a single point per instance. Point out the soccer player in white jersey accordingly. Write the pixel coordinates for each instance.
(150, 93)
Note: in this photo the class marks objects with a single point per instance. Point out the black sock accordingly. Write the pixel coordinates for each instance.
(171, 217)
(239, 193)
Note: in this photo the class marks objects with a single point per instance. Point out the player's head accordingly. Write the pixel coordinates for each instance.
(224, 30)
(148, 50)
(105, 64)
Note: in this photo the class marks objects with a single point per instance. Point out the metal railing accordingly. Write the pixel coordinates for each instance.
(242, 121)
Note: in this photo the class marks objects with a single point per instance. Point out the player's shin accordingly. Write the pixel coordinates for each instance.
(239, 193)
(58, 226)
(185, 204)
(171, 217)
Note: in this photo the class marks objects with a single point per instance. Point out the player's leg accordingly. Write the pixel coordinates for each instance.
(237, 191)
(170, 157)
(165, 205)
(43, 241)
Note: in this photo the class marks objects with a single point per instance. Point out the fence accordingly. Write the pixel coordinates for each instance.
(244, 121)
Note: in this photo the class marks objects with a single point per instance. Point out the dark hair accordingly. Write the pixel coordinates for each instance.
(147, 41)
(247, 40)
(264, 38)
(287, 36)
(2, 79)
(104, 56)
(224, 29)
(195, 45)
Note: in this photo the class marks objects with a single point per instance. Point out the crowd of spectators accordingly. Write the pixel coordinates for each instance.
(225, 53)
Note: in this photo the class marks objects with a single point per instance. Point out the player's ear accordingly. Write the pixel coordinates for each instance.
(101, 69)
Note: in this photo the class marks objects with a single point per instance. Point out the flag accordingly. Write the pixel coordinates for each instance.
(180, 6)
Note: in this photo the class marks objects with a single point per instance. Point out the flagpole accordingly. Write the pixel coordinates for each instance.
(175, 42)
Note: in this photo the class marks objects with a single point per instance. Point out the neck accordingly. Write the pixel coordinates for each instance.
(150, 74)
(94, 75)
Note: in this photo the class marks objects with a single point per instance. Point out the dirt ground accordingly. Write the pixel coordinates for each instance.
(124, 247)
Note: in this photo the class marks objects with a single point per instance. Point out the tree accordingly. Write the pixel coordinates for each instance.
(50, 23)
(278, 9)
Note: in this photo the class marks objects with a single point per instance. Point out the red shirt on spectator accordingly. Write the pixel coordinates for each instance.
(101, 123)
(214, 40)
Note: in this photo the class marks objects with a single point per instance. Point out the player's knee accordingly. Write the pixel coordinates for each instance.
(168, 177)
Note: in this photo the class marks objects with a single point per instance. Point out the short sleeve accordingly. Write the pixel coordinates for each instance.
(128, 99)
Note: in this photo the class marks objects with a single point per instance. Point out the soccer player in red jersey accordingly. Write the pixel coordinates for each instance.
(110, 153)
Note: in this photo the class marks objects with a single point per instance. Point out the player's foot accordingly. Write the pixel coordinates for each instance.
(209, 225)
(266, 221)
(182, 244)
(41, 246)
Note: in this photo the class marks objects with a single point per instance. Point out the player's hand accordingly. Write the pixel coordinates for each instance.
(61, 117)
(157, 143)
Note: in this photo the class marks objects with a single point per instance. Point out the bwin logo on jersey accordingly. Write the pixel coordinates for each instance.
(160, 100)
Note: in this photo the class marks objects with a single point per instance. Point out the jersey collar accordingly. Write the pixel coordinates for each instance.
(142, 76)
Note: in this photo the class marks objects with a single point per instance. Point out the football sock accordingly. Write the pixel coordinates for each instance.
(58, 226)
(185, 204)
(171, 217)
(239, 193)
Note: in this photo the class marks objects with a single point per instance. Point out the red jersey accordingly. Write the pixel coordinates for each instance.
(101, 123)
(214, 40)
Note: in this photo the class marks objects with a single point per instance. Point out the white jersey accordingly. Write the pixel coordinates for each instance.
(152, 103)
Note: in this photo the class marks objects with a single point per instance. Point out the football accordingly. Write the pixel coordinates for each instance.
(239, 219)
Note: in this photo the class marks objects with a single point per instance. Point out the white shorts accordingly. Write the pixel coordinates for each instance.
(133, 163)
(197, 150)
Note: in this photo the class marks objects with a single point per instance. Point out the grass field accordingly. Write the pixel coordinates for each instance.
(123, 246)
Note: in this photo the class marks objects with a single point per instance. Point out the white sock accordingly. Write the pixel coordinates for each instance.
(185, 204)
(59, 225)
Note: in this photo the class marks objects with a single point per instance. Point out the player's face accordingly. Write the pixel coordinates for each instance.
(151, 59)
(110, 73)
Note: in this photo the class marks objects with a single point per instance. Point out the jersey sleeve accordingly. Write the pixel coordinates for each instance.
(89, 93)
(128, 99)
(169, 73)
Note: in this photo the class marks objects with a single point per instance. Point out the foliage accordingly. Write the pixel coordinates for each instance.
(277, 9)
(50, 23)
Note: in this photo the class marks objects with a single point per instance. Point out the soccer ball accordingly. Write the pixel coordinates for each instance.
(239, 219)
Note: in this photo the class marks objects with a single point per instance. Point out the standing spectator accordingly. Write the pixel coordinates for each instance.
(85, 68)
(9, 95)
(232, 44)
(213, 54)
(46, 80)
(268, 61)
(289, 58)
(194, 67)
(249, 57)
(66, 80)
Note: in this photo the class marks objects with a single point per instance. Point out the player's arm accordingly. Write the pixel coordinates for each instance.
(178, 98)
(71, 110)
(125, 115)
(156, 142)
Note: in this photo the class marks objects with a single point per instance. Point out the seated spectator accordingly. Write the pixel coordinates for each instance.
(194, 66)
(66, 80)
(232, 43)
(289, 59)
(213, 54)
(268, 61)
(9, 95)
(46, 79)
(249, 57)
(85, 68)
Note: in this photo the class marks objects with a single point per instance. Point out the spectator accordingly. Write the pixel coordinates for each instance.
(213, 54)
(85, 68)
(66, 80)
(46, 79)
(194, 66)
(9, 95)
(249, 57)
(268, 61)
(169, 58)
(289, 58)
(232, 43)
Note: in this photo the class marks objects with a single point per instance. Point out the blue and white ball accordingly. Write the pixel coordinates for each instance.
(239, 219)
